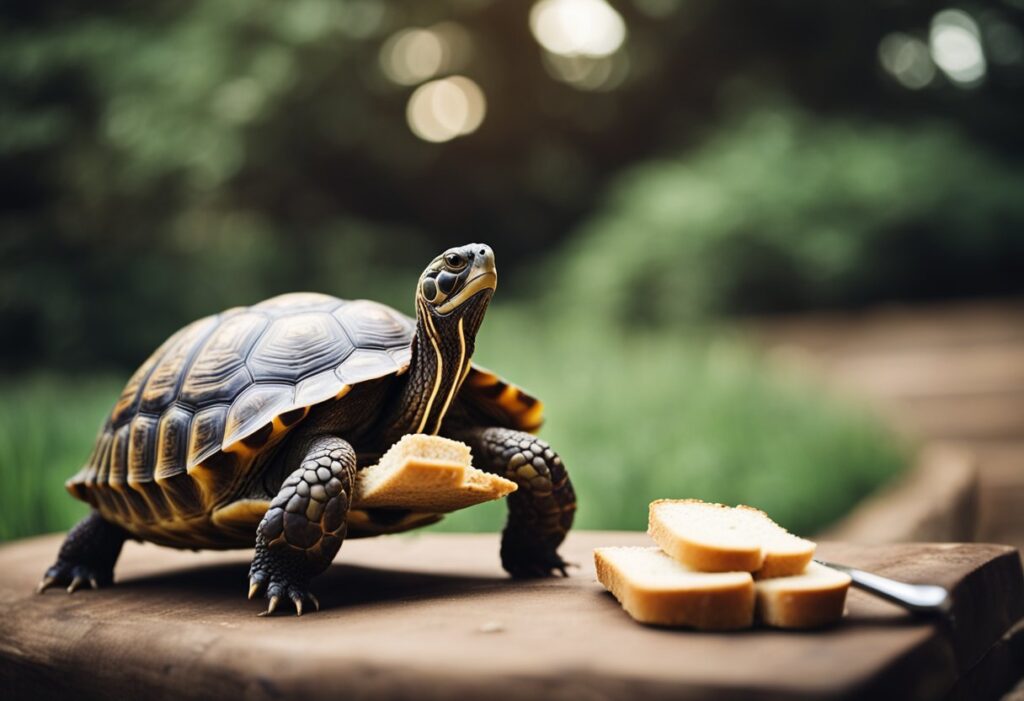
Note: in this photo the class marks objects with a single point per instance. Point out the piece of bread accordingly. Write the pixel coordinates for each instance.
(716, 538)
(427, 474)
(653, 588)
(810, 600)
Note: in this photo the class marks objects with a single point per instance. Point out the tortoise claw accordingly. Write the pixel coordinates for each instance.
(74, 577)
(272, 606)
(280, 587)
(299, 599)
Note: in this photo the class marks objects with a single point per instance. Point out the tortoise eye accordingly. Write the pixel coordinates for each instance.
(454, 261)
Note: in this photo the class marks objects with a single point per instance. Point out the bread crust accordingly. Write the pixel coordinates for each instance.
(705, 557)
(763, 560)
(810, 600)
(726, 602)
(427, 474)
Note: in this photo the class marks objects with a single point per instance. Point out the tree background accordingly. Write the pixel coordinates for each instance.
(165, 160)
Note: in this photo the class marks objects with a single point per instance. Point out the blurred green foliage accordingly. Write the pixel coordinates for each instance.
(640, 416)
(782, 210)
(636, 417)
(163, 161)
(47, 427)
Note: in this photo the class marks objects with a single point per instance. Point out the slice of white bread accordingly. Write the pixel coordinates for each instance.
(716, 538)
(810, 600)
(653, 588)
(428, 474)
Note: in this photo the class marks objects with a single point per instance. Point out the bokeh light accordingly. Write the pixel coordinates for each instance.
(577, 27)
(907, 59)
(956, 47)
(444, 109)
(413, 55)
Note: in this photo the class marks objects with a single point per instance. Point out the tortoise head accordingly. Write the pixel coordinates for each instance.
(459, 282)
(451, 298)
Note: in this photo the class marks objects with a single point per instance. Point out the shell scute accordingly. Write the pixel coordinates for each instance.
(317, 388)
(142, 440)
(100, 470)
(295, 300)
(373, 325)
(127, 404)
(172, 444)
(118, 471)
(298, 346)
(162, 386)
(256, 407)
(218, 372)
(366, 364)
(206, 434)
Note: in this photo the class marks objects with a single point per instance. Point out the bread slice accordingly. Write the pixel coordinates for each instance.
(427, 474)
(810, 600)
(653, 588)
(716, 538)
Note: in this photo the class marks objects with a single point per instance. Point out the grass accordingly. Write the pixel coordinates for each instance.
(635, 417)
(47, 428)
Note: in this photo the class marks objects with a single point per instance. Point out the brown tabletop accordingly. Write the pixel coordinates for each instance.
(433, 616)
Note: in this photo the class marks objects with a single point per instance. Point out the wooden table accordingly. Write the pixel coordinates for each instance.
(432, 616)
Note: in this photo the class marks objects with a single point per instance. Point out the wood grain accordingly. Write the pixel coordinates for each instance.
(433, 616)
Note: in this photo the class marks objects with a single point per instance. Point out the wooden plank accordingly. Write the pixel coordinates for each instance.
(433, 617)
(937, 500)
(984, 417)
(932, 372)
(1000, 668)
(898, 327)
(1001, 491)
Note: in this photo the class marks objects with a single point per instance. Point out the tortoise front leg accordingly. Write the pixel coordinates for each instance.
(87, 555)
(541, 511)
(305, 525)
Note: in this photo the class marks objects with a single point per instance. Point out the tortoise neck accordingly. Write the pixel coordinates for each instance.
(440, 361)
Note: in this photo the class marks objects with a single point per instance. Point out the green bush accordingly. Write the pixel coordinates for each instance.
(781, 210)
(640, 416)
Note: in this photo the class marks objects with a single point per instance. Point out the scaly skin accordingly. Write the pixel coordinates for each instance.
(305, 525)
(540, 512)
(87, 555)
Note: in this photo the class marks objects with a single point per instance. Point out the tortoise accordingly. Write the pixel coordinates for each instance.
(249, 427)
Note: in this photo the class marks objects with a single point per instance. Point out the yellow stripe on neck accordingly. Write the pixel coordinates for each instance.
(457, 380)
(432, 335)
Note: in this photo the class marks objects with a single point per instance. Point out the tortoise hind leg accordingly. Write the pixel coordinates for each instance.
(87, 555)
(305, 524)
(541, 511)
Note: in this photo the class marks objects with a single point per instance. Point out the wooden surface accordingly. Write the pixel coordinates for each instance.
(950, 373)
(433, 616)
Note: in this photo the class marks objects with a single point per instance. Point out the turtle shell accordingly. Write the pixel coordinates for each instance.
(193, 418)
